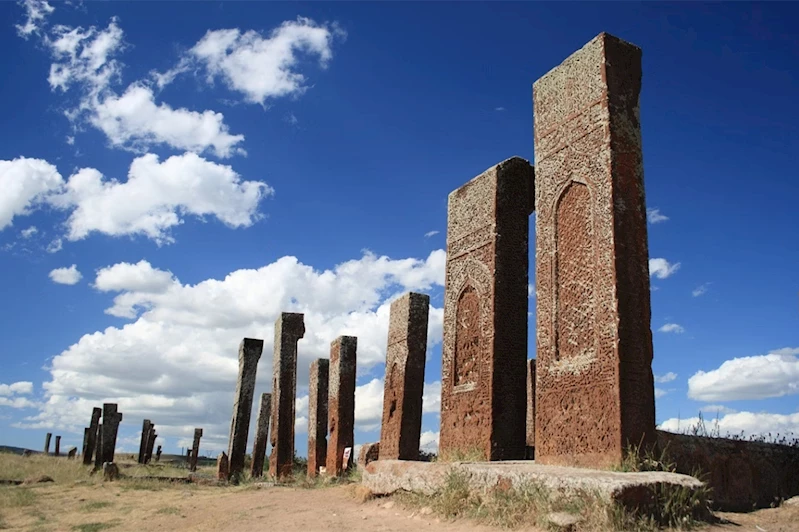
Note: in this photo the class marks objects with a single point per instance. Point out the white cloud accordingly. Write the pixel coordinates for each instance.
(654, 216)
(17, 402)
(740, 423)
(775, 374)
(530, 290)
(717, 409)
(155, 196)
(672, 328)
(430, 233)
(139, 277)
(661, 268)
(69, 275)
(500, 109)
(668, 377)
(25, 184)
(22, 387)
(261, 68)
(659, 392)
(176, 361)
(700, 290)
(70, 140)
(29, 232)
(36, 11)
(431, 398)
(55, 246)
(132, 120)
(429, 441)
(291, 119)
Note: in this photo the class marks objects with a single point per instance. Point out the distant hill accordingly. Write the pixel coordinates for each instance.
(14, 450)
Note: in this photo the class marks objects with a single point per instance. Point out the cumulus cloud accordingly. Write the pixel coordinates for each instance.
(261, 68)
(654, 216)
(69, 275)
(36, 13)
(29, 232)
(9, 395)
(775, 374)
(672, 328)
(746, 424)
(25, 183)
(431, 398)
(175, 361)
(429, 441)
(668, 377)
(661, 268)
(659, 392)
(156, 195)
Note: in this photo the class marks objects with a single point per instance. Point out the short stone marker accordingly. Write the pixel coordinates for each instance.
(110, 471)
(71, 453)
(289, 329)
(195, 449)
(58, 445)
(317, 415)
(47, 443)
(341, 403)
(158, 454)
(261, 435)
(90, 437)
(222, 467)
(595, 389)
(484, 353)
(404, 383)
(369, 453)
(249, 353)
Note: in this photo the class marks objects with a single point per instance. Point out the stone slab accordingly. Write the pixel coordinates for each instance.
(384, 477)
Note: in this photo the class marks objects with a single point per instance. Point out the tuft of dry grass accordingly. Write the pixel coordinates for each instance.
(61, 470)
(472, 454)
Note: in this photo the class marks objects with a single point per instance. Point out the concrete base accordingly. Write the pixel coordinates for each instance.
(632, 490)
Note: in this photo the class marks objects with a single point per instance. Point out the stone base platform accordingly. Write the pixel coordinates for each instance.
(631, 490)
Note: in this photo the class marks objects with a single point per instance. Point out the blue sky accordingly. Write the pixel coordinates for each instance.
(259, 157)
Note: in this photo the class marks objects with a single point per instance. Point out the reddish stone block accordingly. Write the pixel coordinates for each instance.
(250, 351)
(317, 415)
(483, 399)
(595, 391)
(369, 453)
(261, 435)
(531, 403)
(341, 403)
(289, 328)
(404, 383)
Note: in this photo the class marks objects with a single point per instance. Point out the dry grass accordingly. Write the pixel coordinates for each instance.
(472, 454)
(61, 470)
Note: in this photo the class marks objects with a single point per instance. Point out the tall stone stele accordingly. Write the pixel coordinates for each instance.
(594, 391)
(317, 415)
(483, 399)
(195, 449)
(90, 436)
(250, 350)
(110, 427)
(289, 328)
(261, 435)
(404, 384)
(145, 435)
(341, 404)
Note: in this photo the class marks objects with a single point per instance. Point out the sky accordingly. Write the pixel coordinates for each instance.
(174, 175)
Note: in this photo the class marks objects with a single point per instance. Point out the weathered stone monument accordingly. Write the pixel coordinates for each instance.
(261, 435)
(222, 467)
(110, 427)
(71, 452)
(47, 438)
(483, 399)
(145, 436)
(250, 351)
(369, 453)
(90, 437)
(58, 445)
(98, 453)
(289, 328)
(529, 453)
(151, 437)
(158, 454)
(594, 390)
(195, 449)
(317, 415)
(341, 403)
(404, 383)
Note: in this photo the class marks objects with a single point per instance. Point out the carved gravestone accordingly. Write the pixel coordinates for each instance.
(483, 399)
(145, 436)
(110, 427)
(151, 437)
(250, 351)
(195, 449)
(222, 467)
(90, 437)
(404, 383)
(58, 445)
(317, 415)
(341, 404)
(289, 328)
(47, 438)
(261, 435)
(594, 391)
(158, 454)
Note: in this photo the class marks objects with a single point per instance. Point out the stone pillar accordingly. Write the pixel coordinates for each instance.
(222, 467)
(404, 383)
(595, 391)
(158, 454)
(289, 328)
(483, 401)
(58, 445)
(98, 453)
(341, 403)
(249, 353)
(145, 434)
(71, 452)
(148, 453)
(47, 443)
(111, 421)
(91, 440)
(195, 449)
(317, 415)
(261, 435)
(530, 409)
(85, 445)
